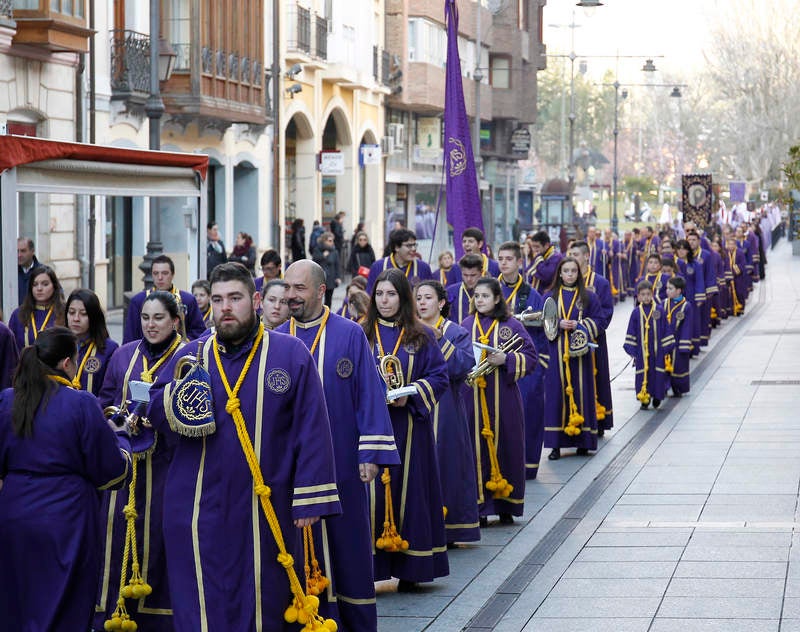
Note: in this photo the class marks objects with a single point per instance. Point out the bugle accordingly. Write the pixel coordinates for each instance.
(546, 318)
(484, 367)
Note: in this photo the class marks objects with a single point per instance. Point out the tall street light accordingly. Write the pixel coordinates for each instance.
(162, 59)
(676, 93)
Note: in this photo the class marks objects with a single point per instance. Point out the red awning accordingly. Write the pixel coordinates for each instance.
(21, 150)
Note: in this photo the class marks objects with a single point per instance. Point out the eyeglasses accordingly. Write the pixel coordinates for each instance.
(411, 246)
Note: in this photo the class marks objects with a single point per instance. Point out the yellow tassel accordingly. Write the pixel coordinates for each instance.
(390, 540)
(668, 368)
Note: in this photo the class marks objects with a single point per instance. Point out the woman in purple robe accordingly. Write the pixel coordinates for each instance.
(42, 307)
(648, 341)
(494, 404)
(680, 314)
(450, 425)
(692, 272)
(570, 408)
(736, 277)
(416, 514)
(9, 355)
(85, 319)
(143, 360)
(56, 452)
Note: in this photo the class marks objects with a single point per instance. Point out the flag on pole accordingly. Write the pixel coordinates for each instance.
(463, 199)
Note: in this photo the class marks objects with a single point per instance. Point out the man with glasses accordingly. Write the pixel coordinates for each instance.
(402, 255)
(270, 268)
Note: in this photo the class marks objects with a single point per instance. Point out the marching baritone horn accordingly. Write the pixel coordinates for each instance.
(391, 370)
(484, 367)
(547, 318)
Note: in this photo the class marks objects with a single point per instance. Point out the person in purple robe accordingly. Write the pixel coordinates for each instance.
(201, 290)
(648, 341)
(680, 313)
(570, 402)
(725, 301)
(649, 244)
(473, 243)
(736, 277)
(656, 277)
(601, 366)
(85, 318)
(494, 404)
(275, 305)
(744, 246)
(448, 273)
(755, 252)
(271, 267)
(695, 293)
(253, 464)
(9, 355)
(718, 272)
(42, 307)
(56, 452)
(362, 441)
(191, 322)
(629, 253)
(402, 248)
(450, 425)
(142, 361)
(598, 260)
(703, 258)
(519, 297)
(616, 273)
(410, 540)
(459, 296)
(545, 262)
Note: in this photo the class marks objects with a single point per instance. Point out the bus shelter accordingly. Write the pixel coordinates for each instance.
(34, 165)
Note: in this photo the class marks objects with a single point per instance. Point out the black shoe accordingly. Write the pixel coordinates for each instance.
(405, 586)
(555, 454)
(676, 394)
(601, 432)
(582, 452)
(645, 406)
(506, 518)
(483, 522)
(452, 545)
(656, 402)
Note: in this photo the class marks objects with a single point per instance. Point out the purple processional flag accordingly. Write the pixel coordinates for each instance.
(738, 191)
(463, 200)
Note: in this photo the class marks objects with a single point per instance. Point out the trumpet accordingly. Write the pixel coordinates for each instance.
(124, 418)
(484, 367)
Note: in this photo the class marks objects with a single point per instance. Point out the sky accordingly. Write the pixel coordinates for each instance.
(676, 29)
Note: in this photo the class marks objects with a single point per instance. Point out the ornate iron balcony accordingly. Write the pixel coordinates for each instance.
(6, 9)
(130, 64)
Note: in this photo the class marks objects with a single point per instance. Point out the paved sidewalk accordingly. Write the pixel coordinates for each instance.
(685, 519)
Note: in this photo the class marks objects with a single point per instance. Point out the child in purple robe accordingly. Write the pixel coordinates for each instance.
(86, 320)
(42, 307)
(57, 452)
(416, 511)
(450, 424)
(656, 277)
(570, 403)
(201, 290)
(546, 260)
(680, 314)
(648, 340)
(494, 404)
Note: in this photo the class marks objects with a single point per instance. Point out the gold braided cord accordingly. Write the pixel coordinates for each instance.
(499, 486)
(303, 609)
(61, 380)
(517, 285)
(643, 396)
(76, 381)
(293, 329)
(147, 374)
(316, 581)
(390, 541)
(36, 331)
(394, 265)
(575, 420)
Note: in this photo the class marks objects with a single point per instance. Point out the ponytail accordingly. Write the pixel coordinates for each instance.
(31, 384)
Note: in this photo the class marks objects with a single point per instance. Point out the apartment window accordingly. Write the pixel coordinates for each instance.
(178, 31)
(427, 42)
(500, 71)
(67, 7)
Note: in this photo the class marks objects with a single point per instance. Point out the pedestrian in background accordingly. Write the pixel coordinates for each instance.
(298, 240)
(244, 252)
(215, 249)
(26, 262)
(316, 231)
(327, 257)
(362, 255)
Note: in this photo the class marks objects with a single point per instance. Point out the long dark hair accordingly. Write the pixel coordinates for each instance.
(500, 311)
(683, 243)
(32, 387)
(57, 300)
(168, 300)
(98, 332)
(406, 313)
(441, 294)
(581, 282)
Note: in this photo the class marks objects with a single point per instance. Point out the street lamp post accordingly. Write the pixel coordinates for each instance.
(162, 58)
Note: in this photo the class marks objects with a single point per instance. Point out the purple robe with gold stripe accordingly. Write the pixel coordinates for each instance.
(96, 365)
(650, 322)
(23, 332)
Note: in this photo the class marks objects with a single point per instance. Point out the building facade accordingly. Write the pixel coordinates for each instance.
(503, 43)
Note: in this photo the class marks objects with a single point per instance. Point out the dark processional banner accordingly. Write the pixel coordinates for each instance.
(697, 198)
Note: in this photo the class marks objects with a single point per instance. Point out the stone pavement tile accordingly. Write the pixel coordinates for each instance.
(745, 512)
(790, 625)
(402, 624)
(783, 501)
(598, 607)
(718, 553)
(669, 487)
(664, 513)
(642, 587)
(677, 473)
(630, 554)
(791, 608)
(586, 625)
(651, 538)
(421, 604)
(662, 499)
(758, 433)
(621, 570)
(741, 538)
(716, 587)
(766, 487)
(725, 570)
(721, 607)
(767, 449)
(715, 625)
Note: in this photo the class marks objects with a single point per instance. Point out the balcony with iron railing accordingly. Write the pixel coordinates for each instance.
(6, 9)
(298, 29)
(130, 66)
(321, 44)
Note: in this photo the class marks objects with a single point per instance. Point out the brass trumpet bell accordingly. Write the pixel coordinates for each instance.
(547, 318)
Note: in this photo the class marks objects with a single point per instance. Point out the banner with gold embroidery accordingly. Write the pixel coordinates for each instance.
(697, 197)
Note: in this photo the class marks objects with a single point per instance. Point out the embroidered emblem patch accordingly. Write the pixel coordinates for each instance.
(505, 333)
(656, 315)
(278, 381)
(344, 368)
(679, 316)
(92, 365)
